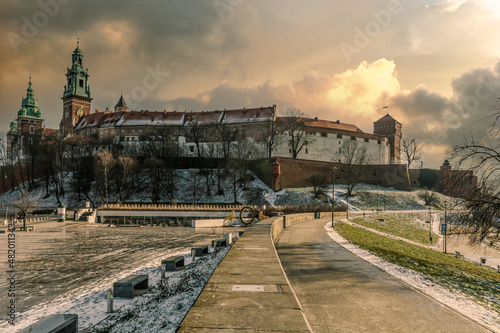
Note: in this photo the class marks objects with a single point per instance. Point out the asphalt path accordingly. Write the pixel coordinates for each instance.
(340, 292)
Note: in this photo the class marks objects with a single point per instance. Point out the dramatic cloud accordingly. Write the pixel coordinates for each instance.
(410, 55)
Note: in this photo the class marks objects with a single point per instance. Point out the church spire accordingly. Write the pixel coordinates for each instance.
(77, 76)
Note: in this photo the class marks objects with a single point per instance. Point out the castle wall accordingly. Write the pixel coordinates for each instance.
(294, 173)
(326, 147)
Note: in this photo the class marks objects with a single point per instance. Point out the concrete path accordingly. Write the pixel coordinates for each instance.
(339, 292)
(248, 292)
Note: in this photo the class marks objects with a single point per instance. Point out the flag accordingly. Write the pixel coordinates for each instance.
(385, 107)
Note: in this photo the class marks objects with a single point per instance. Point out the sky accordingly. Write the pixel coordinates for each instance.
(434, 63)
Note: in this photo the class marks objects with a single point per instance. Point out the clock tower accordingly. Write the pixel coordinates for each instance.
(76, 97)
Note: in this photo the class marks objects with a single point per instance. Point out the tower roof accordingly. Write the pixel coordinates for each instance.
(121, 103)
(387, 118)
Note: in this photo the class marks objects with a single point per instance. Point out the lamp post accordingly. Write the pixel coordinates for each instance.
(445, 225)
(430, 225)
(333, 193)
(377, 202)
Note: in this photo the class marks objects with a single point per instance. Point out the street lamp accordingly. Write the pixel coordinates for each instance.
(445, 225)
(430, 225)
(333, 192)
(377, 202)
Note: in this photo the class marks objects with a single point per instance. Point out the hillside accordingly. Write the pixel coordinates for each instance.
(366, 197)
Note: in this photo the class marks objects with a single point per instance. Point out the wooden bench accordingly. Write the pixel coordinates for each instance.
(458, 255)
(200, 251)
(125, 287)
(173, 264)
(229, 218)
(55, 323)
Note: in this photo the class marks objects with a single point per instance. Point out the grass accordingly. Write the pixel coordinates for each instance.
(481, 283)
(408, 226)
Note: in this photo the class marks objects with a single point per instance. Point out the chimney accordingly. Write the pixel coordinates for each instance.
(338, 121)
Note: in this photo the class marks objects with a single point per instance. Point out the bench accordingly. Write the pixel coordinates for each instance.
(55, 323)
(125, 287)
(173, 264)
(458, 255)
(229, 218)
(219, 243)
(200, 251)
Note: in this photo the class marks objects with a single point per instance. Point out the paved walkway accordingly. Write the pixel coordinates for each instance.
(339, 292)
(248, 292)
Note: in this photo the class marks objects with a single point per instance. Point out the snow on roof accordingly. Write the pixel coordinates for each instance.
(249, 115)
(175, 118)
(151, 118)
(336, 125)
(327, 124)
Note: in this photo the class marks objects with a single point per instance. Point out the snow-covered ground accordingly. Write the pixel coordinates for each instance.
(366, 197)
(455, 300)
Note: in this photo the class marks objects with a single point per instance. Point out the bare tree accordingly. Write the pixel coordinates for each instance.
(104, 163)
(126, 166)
(272, 139)
(480, 214)
(353, 156)
(295, 123)
(411, 149)
(26, 204)
(318, 182)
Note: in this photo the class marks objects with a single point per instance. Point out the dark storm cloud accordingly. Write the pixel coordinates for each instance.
(421, 102)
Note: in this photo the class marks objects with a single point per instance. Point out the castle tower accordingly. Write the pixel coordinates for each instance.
(391, 128)
(121, 105)
(23, 131)
(76, 96)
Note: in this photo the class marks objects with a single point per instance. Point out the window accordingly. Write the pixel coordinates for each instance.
(262, 136)
(112, 131)
(32, 129)
(133, 131)
(243, 128)
(30, 141)
(353, 138)
(290, 151)
(123, 131)
(106, 132)
(340, 150)
(191, 149)
(140, 131)
(235, 129)
(339, 136)
(366, 140)
(243, 135)
(323, 134)
(261, 127)
(81, 83)
(100, 131)
(69, 82)
(307, 151)
(379, 142)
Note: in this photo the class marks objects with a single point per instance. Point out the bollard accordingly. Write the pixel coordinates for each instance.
(110, 302)
(163, 268)
(193, 254)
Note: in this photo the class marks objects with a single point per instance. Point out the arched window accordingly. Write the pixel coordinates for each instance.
(32, 129)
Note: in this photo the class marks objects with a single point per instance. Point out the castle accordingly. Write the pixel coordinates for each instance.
(249, 133)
